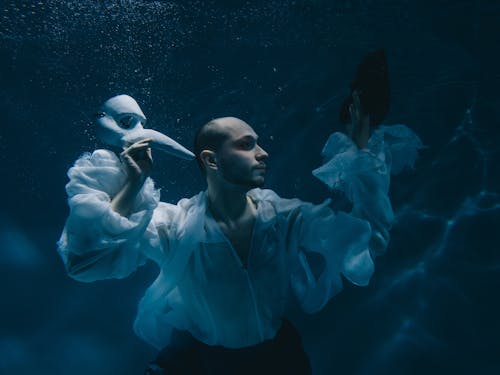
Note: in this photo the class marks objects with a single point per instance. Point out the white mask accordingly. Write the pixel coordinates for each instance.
(120, 123)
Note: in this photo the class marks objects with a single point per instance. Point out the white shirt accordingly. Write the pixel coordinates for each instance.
(297, 248)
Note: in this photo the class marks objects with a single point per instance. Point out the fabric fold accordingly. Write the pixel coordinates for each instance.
(325, 247)
(364, 175)
(202, 286)
(94, 233)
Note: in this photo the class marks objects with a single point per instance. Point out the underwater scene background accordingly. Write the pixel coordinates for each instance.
(285, 68)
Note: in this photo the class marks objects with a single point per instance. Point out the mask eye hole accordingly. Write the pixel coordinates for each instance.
(125, 123)
(99, 114)
(129, 121)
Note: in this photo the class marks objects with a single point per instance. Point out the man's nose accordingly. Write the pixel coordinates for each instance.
(261, 154)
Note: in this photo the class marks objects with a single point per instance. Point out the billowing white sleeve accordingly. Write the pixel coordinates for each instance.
(98, 243)
(323, 247)
(364, 175)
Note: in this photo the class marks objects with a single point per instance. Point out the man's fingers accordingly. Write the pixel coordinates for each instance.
(140, 143)
(145, 140)
(137, 147)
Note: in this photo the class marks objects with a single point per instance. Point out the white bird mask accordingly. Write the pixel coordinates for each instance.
(120, 123)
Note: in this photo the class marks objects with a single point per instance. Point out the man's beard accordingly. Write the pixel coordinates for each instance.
(241, 180)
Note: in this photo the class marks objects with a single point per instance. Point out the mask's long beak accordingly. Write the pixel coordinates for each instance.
(120, 123)
(159, 142)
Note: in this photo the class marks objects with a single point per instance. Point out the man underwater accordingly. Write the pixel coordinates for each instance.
(232, 257)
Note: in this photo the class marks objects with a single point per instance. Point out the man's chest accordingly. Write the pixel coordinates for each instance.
(240, 237)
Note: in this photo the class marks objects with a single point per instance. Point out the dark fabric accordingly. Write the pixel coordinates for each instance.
(372, 83)
(282, 355)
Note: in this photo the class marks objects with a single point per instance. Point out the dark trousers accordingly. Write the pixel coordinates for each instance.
(282, 355)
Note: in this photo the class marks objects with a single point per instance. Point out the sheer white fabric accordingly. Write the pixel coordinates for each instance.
(202, 285)
(364, 175)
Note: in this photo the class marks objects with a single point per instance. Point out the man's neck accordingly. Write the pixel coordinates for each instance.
(229, 205)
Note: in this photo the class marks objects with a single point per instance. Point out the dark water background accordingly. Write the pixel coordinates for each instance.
(284, 67)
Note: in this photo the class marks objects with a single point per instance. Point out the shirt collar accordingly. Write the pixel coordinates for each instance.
(266, 217)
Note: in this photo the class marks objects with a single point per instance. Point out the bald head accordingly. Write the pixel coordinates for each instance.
(229, 122)
(213, 134)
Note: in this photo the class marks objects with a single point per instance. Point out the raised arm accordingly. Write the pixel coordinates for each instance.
(325, 245)
(363, 173)
(359, 127)
(109, 231)
(370, 196)
(138, 162)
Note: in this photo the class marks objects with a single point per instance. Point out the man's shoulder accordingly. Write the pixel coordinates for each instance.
(186, 202)
(182, 207)
(263, 194)
(280, 205)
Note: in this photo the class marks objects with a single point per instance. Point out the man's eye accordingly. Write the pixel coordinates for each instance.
(247, 145)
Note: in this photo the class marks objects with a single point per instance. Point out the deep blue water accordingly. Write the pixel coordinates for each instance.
(284, 67)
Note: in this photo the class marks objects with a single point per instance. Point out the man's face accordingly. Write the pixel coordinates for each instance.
(241, 161)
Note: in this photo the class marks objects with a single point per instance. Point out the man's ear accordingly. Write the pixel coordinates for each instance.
(208, 159)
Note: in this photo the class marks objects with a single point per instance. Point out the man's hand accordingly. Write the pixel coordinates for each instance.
(138, 160)
(359, 128)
